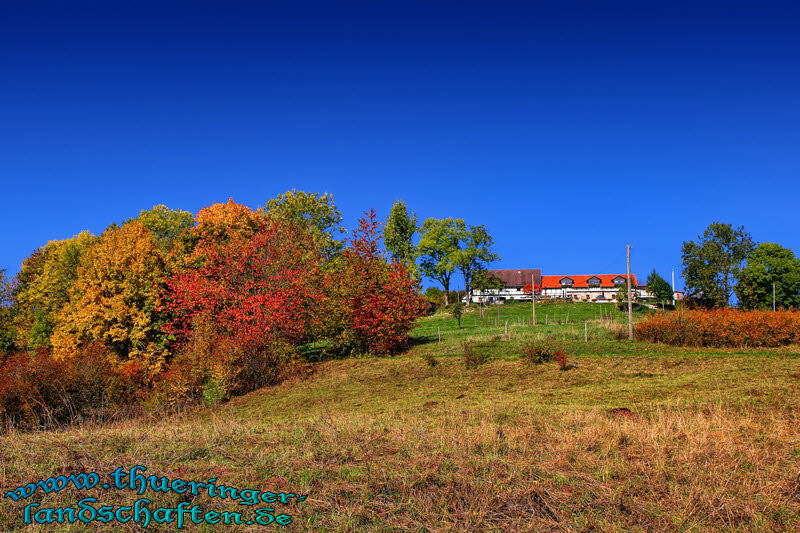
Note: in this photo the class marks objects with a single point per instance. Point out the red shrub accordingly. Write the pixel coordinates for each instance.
(561, 359)
(38, 391)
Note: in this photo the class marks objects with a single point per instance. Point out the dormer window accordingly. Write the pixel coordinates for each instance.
(566, 282)
(594, 281)
(619, 280)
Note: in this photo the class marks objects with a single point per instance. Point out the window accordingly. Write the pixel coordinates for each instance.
(619, 280)
(566, 282)
(594, 281)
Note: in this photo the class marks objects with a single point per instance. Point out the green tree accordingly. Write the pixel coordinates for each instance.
(483, 281)
(439, 248)
(622, 295)
(166, 225)
(711, 265)
(313, 211)
(44, 281)
(659, 288)
(457, 310)
(475, 255)
(398, 234)
(6, 314)
(769, 263)
(434, 295)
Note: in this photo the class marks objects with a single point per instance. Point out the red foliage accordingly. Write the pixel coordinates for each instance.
(561, 359)
(256, 289)
(256, 295)
(37, 391)
(376, 303)
(722, 328)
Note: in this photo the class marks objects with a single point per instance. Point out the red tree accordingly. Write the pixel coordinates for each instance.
(259, 292)
(374, 304)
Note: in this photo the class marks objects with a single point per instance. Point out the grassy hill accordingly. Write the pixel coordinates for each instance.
(637, 438)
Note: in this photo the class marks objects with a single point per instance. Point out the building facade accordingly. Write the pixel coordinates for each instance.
(590, 287)
(515, 281)
(576, 287)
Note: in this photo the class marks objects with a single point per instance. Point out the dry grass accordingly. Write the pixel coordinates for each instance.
(673, 443)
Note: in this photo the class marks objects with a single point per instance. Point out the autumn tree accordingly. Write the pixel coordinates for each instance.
(254, 295)
(371, 304)
(113, 302)
(43, 288)
(769, 264)
(712, 264)
(314, 212)
(6, 314)
(398, 235)
(439, 249)
(167, 225)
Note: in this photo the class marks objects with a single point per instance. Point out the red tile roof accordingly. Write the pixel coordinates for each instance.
(582, 280)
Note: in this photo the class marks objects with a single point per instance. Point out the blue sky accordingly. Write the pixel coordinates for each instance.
(567, 128)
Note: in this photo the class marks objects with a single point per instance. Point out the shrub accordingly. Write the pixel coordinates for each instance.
(457, 310)
(561, 359)
(537, 353)
(212, 367)
(474, 356)
(721, 328)
(39, 392)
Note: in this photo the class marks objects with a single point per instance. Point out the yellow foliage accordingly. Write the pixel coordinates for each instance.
(227, 221)
(113, 300)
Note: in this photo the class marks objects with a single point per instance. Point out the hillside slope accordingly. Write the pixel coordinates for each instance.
(633, 443)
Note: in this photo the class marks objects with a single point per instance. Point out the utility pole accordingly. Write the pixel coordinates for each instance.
(533, 297)
(773, 296)
(630, 298)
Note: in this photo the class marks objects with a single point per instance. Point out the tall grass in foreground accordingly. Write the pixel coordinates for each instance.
(619, 444)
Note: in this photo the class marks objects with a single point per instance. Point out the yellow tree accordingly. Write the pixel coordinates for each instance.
(44, 281)
(113, 302)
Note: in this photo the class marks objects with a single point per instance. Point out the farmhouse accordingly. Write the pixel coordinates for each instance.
(514, 280)
(589, 287)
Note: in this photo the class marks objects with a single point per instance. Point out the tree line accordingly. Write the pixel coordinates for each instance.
(725, 261)
(200, 307)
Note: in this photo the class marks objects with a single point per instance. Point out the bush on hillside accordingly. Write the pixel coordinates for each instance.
(39, 392)
(474, 355)
(721, 328)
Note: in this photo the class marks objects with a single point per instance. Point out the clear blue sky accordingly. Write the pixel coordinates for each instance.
(567, 128)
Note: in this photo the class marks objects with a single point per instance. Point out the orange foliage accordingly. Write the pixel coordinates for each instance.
(38, 391)
(722, 328)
